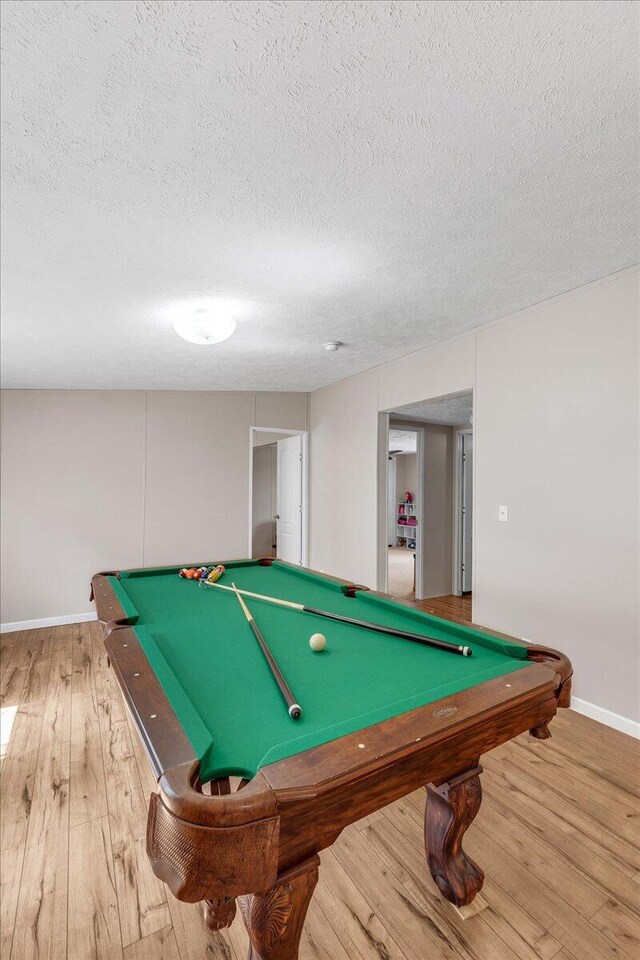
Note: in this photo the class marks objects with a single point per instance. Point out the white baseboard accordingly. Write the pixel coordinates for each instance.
(624, 724)
(47, 622)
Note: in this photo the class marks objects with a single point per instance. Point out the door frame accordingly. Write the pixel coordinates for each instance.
(456, 575)
(305, 484)
(384, 425)
(392, 481)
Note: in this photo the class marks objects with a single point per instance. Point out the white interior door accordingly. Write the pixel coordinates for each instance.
(467, 509)
(289, 499)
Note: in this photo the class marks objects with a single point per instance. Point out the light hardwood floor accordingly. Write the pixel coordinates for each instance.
(449, 607)
(557, 835)
(401, 571)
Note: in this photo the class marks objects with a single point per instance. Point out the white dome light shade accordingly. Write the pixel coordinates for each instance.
(205, 326)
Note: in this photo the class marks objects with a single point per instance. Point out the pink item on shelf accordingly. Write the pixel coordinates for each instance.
(412, 522)
(408, 497)
(401, 508)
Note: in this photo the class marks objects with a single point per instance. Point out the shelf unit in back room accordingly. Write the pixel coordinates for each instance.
(406, 533)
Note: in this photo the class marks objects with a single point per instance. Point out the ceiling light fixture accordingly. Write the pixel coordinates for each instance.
(332, 345)
(205, 325)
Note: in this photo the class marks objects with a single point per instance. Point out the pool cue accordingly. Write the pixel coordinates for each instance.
(461, 650)
(294, 708)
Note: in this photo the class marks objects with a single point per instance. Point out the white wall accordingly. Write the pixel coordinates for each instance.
(556, 438)
(97, 480)
(343, 420)
(406, 474)
(197, 456)
(72, 496)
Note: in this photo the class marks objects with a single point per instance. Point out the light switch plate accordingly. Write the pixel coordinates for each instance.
(503, 514)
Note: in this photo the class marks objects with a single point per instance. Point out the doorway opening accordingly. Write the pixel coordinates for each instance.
(430, 561)
(403, 511)
(278, 491)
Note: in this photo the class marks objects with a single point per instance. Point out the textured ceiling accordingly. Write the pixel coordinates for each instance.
(450, 411)
(383, 173)
(403, 441)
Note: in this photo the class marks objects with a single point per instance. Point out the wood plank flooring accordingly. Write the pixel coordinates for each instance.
(558, 835)
(449, 607)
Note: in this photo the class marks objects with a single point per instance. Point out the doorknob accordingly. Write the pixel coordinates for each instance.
(276, 516)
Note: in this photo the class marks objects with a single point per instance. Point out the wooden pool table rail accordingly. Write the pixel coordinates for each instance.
(260, 844)
(536, 652)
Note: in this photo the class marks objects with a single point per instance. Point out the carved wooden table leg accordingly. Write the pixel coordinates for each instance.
(542, 731)
(219, 913)
(450, 810)
(274, 920)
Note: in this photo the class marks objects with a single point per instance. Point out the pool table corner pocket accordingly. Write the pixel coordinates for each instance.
(564, 671)
(212, 848)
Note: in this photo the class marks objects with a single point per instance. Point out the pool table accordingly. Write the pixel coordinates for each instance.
(248, 796)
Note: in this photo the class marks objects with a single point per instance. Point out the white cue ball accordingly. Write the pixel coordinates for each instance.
(318, 642)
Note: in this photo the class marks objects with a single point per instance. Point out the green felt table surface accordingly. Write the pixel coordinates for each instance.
(209, 664)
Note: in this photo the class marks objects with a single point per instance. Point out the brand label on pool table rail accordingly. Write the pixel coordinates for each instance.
(445, 711)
